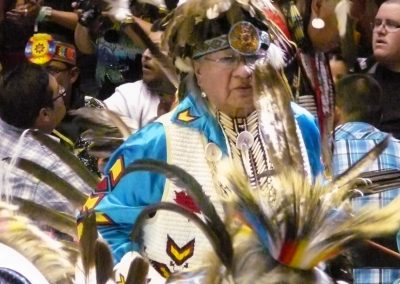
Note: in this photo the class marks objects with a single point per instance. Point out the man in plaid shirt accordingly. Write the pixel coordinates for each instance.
(31, 98)
(357, 110)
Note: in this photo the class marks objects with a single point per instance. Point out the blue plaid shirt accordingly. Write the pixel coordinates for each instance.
(352, 141)
(24, 185)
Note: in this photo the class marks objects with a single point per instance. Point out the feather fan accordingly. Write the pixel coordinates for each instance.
(45, 253)
(310, 224)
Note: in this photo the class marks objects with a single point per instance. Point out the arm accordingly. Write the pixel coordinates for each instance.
(64, 18)
(117, 211)
(83, 40)
(145, 26)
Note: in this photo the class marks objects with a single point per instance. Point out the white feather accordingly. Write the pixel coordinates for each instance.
(119, 9)
(157, 3)
(276, 56)
(217, 9)
(342, 11)
(180, 2)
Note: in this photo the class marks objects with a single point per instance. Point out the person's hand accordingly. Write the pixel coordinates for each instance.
(88, 11)
(24, 13)
(118, 11)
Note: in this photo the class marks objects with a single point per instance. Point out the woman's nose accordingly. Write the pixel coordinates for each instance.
(242, 69)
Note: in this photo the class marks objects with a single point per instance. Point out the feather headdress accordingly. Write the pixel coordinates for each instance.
(192, 23)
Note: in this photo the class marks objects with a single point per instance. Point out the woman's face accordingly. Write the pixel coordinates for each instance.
(227, 85)
(327, 38)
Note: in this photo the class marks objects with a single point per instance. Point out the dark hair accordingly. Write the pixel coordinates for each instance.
(23, 92)
(9, 276)
(359, 97)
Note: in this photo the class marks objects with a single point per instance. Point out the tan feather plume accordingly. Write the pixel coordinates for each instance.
(272, 97)
(44, 252)
(103, 117)
(106, 130)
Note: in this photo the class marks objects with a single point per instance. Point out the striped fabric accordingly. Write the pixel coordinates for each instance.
(352, 141)
(26, 186)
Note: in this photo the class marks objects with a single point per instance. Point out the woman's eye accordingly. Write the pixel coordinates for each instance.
(227, 59)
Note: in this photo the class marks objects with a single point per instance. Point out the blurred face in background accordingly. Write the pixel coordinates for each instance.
(153, 75)
(386, 35)
(338, 68)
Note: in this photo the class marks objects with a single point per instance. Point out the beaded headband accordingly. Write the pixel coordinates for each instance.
(243, 37)
(42, 48)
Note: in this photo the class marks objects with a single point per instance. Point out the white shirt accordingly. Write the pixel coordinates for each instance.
(136, 101)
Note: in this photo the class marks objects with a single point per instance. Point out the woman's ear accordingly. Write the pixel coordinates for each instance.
(74, 74)
(196, 67)
(315, 7)
(197, 71)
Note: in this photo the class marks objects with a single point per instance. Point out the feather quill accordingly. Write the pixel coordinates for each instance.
(272, 97)
(68, 158)
(59, 221)
(103, 117)
(103, 262)
(137, 273)
(87, 243)
(309, 224)
(75, 196)
(354, 171)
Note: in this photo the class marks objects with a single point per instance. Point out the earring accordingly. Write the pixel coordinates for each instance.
(203, 95)
(317, 23)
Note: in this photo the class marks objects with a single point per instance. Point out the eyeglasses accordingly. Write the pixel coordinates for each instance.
(391, 26)
(61, 93)
(232, 61)
(55, 71)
